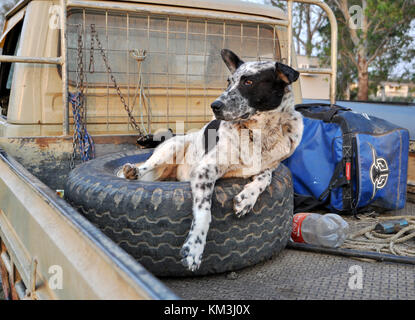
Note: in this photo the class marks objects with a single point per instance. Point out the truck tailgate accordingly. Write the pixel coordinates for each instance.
(43, 237)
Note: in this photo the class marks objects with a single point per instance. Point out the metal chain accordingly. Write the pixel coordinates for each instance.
(91, 68)
(79, 89)
(80, 133)
(133, 123)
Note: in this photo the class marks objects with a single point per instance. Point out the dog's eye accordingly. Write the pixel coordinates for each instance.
(248, 82)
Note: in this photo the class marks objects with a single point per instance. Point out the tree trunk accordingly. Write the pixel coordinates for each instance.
(363, 78)
(309, 44)
(346, 93)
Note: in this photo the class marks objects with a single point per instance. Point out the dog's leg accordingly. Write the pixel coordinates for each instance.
(169, 153)
(202, 183)
(246, 199)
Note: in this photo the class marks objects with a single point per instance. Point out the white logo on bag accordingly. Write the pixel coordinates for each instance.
(379, 172)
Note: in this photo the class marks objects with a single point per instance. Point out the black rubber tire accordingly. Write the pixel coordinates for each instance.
(151, 220)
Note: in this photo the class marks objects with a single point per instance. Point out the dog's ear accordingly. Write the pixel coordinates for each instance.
(286, 73)
(231, 60)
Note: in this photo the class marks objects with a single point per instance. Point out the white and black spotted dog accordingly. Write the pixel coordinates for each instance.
(258, 99)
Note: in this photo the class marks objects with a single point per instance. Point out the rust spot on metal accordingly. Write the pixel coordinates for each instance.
(46, 142)
(130, 139)
(42, 143)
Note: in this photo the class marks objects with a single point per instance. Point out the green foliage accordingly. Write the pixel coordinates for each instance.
(5, 6)
(306, 22)
(346, 70)
(386, 40)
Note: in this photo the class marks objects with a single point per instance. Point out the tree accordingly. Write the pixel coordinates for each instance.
(307, 20)
(373, 37)
(313, 17)
(5, 6)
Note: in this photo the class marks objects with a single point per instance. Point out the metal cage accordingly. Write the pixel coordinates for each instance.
(179, 47)
(181, 72)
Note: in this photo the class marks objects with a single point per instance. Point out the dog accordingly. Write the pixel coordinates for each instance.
(259, 102)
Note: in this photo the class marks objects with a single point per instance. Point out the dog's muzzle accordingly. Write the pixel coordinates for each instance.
(217, 107)
(222, 112)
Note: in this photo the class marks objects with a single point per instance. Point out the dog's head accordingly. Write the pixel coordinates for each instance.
(252, 86)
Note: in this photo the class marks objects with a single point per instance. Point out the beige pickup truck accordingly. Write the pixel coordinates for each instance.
(143, 66)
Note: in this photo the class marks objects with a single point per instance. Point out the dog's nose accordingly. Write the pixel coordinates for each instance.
(217, 106)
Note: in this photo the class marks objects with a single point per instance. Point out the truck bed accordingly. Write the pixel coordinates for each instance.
(303, 275)
(293, 274)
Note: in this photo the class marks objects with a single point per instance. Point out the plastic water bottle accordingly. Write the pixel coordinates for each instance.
(328, 230)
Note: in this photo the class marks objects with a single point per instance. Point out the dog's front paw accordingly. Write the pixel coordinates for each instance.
(191, 255)
(243, 203)
(130, 171)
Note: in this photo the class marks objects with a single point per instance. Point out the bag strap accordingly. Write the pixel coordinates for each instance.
(305, 203)
(211, 139)
(341, 177)
(326, 116)
(347, 160)
(336, 181)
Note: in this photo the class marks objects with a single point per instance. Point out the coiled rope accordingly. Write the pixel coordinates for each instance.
(368, 239)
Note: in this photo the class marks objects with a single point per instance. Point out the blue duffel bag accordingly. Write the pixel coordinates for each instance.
(347, 161)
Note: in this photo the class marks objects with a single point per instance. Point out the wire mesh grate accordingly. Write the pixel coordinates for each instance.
(182, 72)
